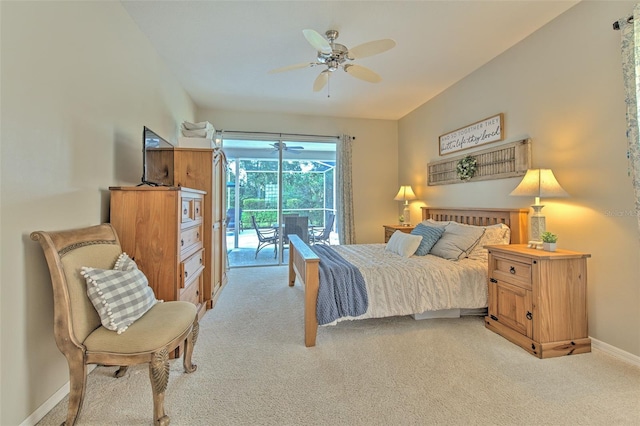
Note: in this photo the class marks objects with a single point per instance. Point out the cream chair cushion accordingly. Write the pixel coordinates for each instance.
(163, 322)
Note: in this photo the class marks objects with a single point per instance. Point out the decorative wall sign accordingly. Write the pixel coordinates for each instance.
(479, 133)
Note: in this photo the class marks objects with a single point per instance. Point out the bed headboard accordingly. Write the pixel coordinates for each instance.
(516, 219)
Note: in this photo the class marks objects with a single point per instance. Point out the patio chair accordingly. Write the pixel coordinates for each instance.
(265, 238)
(93, 254)
(298, 225)
(321, 235)
(231, 219)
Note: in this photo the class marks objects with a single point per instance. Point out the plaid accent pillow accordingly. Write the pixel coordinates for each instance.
(125, 263)
(120, 295)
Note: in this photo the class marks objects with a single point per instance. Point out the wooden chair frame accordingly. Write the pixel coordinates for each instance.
(56, 245)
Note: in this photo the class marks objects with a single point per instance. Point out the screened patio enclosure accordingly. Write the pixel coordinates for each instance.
(270, 179)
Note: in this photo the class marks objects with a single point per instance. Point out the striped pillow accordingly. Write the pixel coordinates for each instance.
(121, 295)
(430, 235)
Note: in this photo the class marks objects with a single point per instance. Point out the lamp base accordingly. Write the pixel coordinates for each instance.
(538, 223)
(407, 216)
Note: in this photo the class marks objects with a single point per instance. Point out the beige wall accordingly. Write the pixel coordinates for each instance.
(562, 87)
(78, 81)
(375, 158)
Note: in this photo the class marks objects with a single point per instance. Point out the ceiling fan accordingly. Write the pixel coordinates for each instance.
(285, 147)
(335, 56)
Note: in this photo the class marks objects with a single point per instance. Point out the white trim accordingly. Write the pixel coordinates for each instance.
(50, 403)
(615, 352)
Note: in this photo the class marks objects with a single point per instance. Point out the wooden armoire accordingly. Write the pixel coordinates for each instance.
(201, 169)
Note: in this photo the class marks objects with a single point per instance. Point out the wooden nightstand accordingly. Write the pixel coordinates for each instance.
(538, 299)
(390, 229)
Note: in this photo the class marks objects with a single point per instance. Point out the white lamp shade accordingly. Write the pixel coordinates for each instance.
(539, 183)
(405, 194)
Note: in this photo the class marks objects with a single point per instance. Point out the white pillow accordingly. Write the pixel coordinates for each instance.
(493, 235)
(457, 241)
(403, 244)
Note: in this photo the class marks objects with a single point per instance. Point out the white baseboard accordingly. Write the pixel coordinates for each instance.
(42, 411)
(48, 405)
(615, 352)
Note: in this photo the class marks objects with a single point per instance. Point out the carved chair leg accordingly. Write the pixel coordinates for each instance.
(159, 375)
(192, 338)
(121, 371)
(77, 382)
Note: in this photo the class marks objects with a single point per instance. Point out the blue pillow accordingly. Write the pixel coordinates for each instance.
(430, 236)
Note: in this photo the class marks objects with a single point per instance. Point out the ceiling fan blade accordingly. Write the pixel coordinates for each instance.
(363, 73)
(292, 67)
(371, 48)
(317, 41)
(321, 80)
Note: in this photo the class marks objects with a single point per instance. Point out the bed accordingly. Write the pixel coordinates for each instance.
(304, 264)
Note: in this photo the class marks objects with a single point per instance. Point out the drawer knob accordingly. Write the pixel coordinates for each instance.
(197, 235)
(529, 315)
(186, 274)
(512, 269)
(185, 211)
(182, 243)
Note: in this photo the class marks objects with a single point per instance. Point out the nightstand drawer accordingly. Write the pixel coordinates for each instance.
(511, 271)
(390, 229)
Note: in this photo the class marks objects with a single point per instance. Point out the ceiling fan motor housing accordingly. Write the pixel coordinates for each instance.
(336, 58)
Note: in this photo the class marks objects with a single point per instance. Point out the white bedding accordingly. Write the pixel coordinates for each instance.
(405, 286)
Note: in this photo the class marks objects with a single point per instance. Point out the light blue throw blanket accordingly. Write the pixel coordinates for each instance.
(342, 290)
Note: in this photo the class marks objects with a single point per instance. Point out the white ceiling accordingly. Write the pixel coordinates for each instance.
(221, 51)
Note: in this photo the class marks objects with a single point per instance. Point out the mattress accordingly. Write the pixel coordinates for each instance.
(404, 286)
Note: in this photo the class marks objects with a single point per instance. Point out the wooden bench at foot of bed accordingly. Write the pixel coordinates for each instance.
(303, 262)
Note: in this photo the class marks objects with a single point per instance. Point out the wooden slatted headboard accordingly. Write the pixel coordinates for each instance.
(516, 219)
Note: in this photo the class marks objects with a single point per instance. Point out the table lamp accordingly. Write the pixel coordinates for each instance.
(405, 194)
(539, 183)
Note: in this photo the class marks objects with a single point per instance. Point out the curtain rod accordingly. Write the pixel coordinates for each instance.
(616, 25)
(277, 134)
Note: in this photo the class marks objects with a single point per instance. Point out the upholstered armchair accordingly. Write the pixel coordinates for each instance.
(79, 260)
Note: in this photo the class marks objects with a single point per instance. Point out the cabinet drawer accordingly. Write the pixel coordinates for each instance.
(187, 209)
(387, 234)
(191, 209)
(197, 209)
(511, 271)
(190, 238)
(191, 267)
(192, 292)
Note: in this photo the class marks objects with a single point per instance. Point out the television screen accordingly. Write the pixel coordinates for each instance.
(157, 164)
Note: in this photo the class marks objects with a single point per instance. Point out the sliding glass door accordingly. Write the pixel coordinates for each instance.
(271, 181)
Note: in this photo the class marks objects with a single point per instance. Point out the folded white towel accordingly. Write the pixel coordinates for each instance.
(202, 133)
(197, 126)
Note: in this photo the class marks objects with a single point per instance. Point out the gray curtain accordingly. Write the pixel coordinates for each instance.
(344, 192)
(631, 71)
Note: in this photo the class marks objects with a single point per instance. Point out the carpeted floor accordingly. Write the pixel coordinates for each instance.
(253, 369)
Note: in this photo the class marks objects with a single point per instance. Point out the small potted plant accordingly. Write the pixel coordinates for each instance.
(549, 241)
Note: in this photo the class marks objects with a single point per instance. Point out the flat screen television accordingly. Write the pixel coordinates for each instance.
(156, 159)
